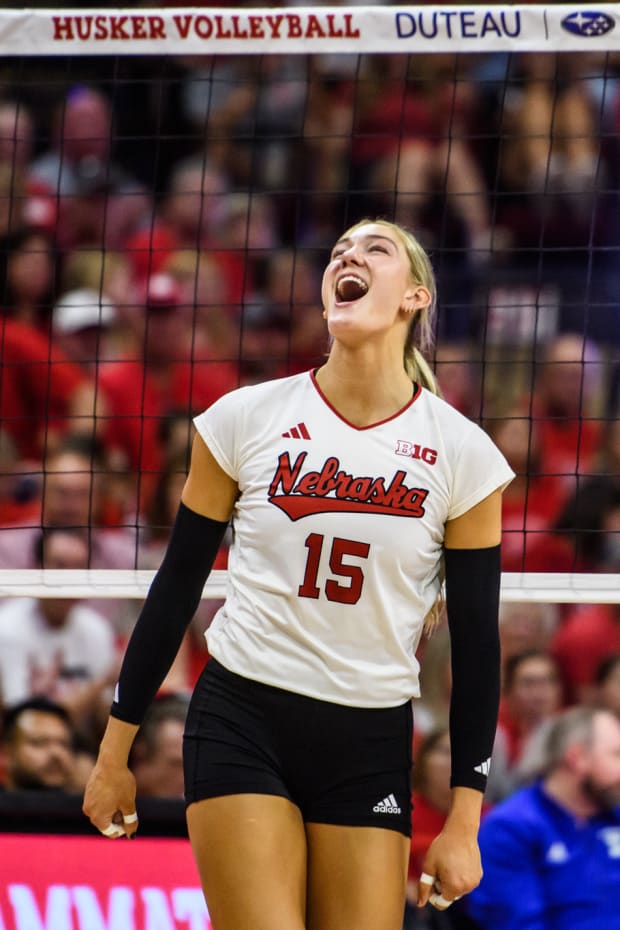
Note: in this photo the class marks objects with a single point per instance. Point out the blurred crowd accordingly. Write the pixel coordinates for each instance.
(163, 228)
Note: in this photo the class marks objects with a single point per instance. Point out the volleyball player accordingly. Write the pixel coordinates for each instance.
(347, 488)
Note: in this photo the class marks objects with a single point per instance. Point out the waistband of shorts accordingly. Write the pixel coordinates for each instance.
(253, 687)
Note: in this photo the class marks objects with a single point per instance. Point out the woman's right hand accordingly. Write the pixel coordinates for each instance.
(110, 794)
(110, 800)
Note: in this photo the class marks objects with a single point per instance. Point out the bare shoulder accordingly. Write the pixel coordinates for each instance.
(479, 527)
(209, 490)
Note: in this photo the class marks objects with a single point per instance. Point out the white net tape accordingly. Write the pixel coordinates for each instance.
(309, 30)
(543, 587)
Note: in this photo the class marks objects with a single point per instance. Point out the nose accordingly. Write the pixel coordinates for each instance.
(350, 254)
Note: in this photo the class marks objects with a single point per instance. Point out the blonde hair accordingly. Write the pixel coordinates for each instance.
(420, 333)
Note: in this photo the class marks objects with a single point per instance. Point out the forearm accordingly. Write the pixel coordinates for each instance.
(167, 612)
(472, 595)
(465, 809)
(117, 742)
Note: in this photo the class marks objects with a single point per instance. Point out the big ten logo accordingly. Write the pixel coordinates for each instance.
(413, 450)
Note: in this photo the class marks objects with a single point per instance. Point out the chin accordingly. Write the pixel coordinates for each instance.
(605, 797)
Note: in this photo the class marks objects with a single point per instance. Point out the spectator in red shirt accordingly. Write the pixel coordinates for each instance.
(194, 213)
(565, 394)
(73, 492)
(410, 140)
(159, 373)
(589, 633)
(28, 266)
(42, 394)
(530, 502)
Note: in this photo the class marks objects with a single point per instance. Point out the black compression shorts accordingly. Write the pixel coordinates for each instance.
(339, 765)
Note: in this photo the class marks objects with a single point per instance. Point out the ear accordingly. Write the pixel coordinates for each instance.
(416, 297)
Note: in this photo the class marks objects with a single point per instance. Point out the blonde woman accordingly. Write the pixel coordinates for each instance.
(347, 486)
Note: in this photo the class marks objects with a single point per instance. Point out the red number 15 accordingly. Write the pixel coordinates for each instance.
(334, 591)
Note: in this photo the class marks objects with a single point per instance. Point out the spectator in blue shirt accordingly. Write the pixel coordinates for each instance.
(551, 851)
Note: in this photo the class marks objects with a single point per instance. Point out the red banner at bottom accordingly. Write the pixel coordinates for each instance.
(91, 883)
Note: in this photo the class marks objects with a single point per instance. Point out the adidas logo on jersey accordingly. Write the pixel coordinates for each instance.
(297, 432)
(388, 805)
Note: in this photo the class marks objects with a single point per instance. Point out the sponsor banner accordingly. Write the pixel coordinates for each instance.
(439, 28)
(90, 883)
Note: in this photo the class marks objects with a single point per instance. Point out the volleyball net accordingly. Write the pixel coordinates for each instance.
(171, 182)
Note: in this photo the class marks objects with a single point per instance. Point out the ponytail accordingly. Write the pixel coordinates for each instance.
(420, 371)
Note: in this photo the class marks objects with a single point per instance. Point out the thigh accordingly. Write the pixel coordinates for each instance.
(250, 850)
(357, 877)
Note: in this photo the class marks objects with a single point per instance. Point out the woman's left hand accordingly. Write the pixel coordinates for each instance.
(452, 867)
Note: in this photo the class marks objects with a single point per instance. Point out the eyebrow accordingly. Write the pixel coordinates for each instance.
(348, 239)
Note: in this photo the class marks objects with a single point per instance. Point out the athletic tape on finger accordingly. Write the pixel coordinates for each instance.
(130, 818)
(427, 879)
(112, 830)
(438, 901)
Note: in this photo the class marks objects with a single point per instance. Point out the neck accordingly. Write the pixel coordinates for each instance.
(364, 393)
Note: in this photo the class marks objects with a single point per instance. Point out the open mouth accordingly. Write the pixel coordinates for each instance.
(350, 288)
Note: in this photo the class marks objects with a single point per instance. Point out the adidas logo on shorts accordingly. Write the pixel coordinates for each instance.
(388, 805)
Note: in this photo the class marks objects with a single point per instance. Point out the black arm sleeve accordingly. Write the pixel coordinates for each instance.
(167, 612)
(472, 600)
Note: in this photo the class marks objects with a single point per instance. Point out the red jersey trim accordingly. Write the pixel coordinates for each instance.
(417, 390)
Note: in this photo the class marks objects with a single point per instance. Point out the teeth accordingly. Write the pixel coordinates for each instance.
(350, 287)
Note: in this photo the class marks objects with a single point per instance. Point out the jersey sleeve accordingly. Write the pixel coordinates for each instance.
(480, 469)
(219, 428)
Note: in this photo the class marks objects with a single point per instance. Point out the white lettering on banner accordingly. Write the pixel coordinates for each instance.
(157, 914)
(188, 905)
(57, 914)
(459, 24)
(120, 914)
(78, 907)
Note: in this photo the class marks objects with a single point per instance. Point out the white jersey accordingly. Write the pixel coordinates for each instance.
(338, 535)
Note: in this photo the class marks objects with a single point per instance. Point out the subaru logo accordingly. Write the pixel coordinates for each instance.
(588, 23)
